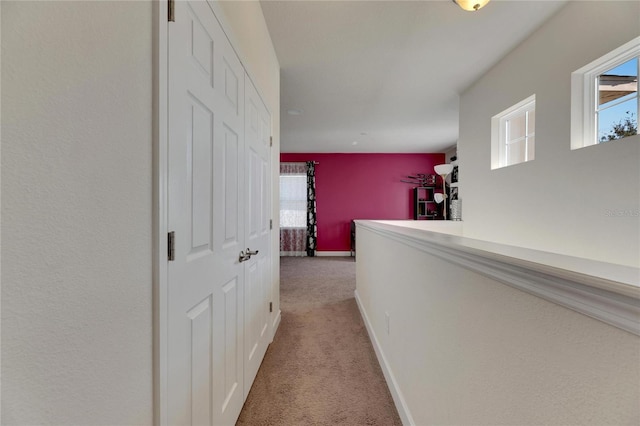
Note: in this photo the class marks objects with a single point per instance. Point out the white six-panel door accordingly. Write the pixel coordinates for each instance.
(217, 206)
(257, 207)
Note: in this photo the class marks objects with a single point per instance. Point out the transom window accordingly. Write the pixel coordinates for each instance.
(617, 107)
(604, 97)
(513, 134)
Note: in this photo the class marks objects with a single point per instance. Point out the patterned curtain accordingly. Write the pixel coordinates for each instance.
(293, 209)
(312, 228)
(293, 168)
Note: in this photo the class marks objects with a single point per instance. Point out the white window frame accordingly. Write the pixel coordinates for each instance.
(499, 132)
(584, 93)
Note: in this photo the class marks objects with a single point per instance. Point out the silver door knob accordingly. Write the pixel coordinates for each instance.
(251, 253)
(243, 257)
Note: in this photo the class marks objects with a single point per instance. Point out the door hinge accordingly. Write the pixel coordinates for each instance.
(270, 223)
(270, 306)
(171, 243)
(172, 10)
(270, 140)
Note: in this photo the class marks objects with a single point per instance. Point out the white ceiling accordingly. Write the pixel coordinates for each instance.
(386, 74)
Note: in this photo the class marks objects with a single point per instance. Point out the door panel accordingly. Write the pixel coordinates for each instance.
(265, 296)
(200, 371)
(257, 271)
(205, 168)
(231, 187)
(217, 204)
(200, 151)
(231, 86)
(232, 347)
(251, 302)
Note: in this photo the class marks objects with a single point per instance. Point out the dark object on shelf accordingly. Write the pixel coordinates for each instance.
(421, 180)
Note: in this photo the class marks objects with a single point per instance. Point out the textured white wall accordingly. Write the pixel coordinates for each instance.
(466, 349)
(76, 213)
(252, 41)
(583, 203)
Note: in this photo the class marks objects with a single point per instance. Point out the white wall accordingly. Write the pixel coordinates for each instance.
(466, 349)
(76, 213)
(449, 153)
(583, 203)
(253, 44)
(77, 205)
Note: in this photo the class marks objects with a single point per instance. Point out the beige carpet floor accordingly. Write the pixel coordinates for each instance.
(321, 368)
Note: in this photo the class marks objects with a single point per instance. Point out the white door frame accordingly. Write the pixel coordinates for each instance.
(160, 226)
(0, 218)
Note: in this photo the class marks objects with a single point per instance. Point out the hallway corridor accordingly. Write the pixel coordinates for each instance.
(321, 368)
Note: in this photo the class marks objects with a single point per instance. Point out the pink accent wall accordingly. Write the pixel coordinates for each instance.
(361, 186)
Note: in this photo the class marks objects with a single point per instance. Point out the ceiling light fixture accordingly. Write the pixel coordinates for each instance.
(471, 5)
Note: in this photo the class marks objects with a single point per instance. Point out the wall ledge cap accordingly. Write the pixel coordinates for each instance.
(605, 291)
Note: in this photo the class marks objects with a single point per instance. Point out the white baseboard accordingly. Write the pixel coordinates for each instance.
(293, 253)
(396, 394)
(333, 253)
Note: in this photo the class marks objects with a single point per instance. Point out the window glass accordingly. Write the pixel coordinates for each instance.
(531, 122)
(513, 134)
(618, 102)
(604, 97)
(293, 201)
(515, 152)
(531, 147)
(516, 128)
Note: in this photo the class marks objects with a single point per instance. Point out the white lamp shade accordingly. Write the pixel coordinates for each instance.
(443, 169)
(438, 197)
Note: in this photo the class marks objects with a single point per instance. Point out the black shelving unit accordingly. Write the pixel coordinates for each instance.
(424, 206)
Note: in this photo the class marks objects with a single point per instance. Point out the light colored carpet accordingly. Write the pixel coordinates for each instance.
(321, 368)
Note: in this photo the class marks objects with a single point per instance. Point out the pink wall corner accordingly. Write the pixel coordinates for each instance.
(361, 186)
